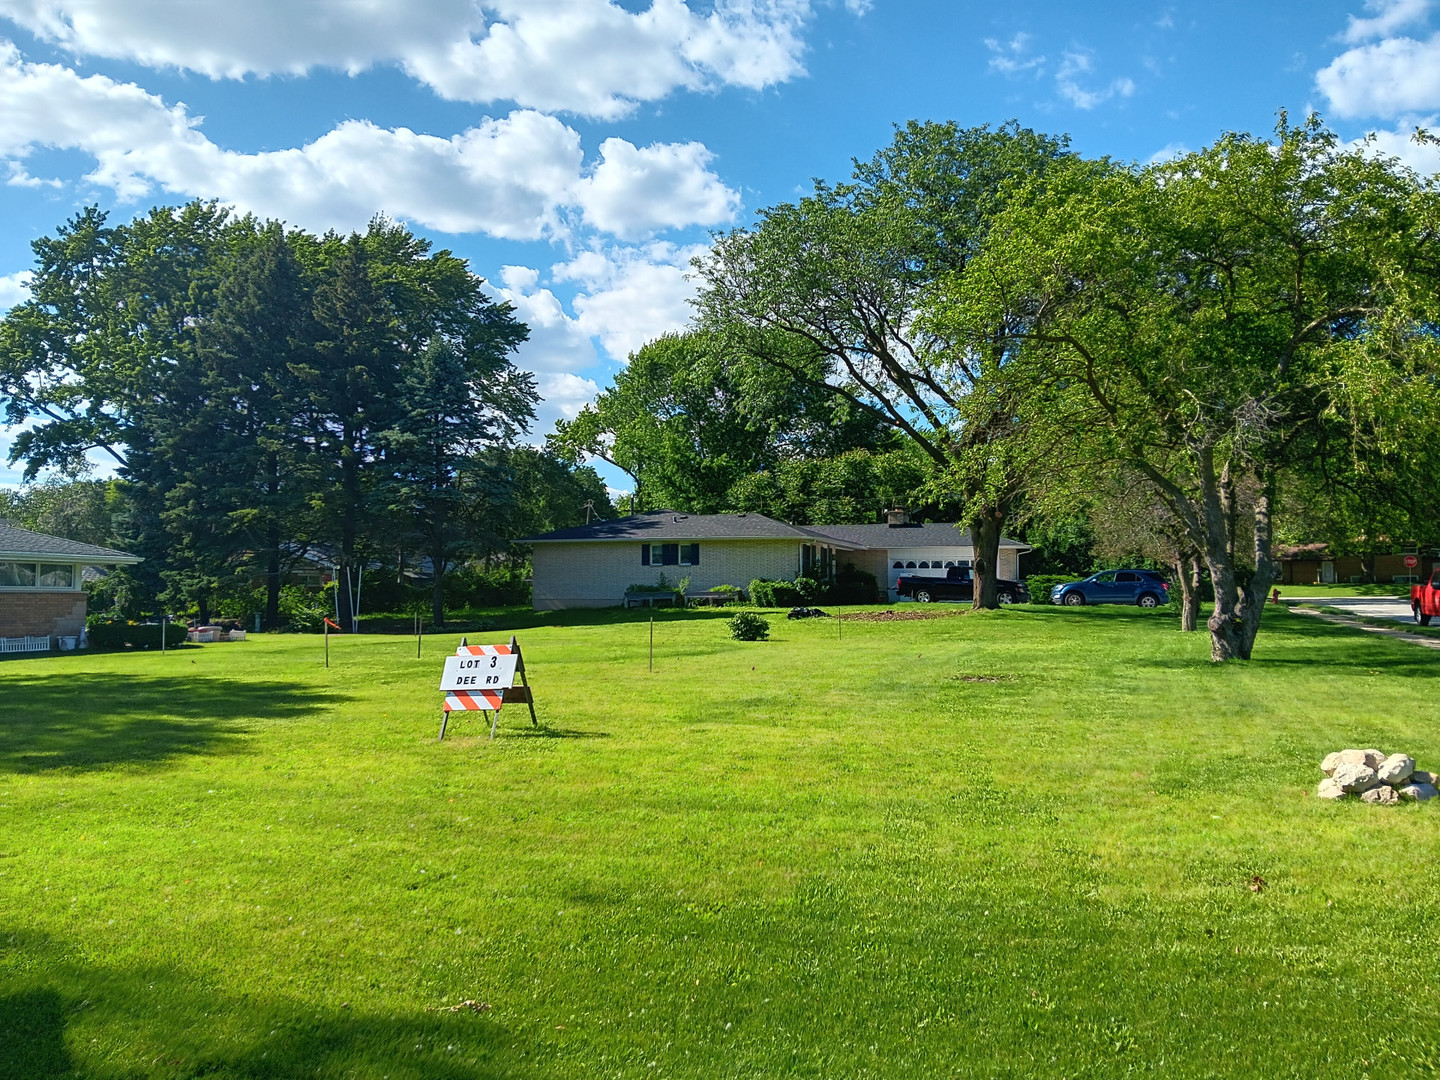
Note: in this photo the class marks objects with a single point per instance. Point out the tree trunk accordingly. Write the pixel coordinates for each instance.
(202, 604)
(272, 579)
(437, 594)
(1236, 618)
(1188, 571)
(986, 537)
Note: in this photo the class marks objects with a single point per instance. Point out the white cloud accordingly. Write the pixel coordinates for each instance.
(516, 177)
(14, 289)
(587, 56)
(565, 395)
(1400, 143)
(557, 342)
(1390, 15)
(1387, 78)
(635, 191)
(1013, 57)
(1075, 63)
(1168, 152)
(631, 295)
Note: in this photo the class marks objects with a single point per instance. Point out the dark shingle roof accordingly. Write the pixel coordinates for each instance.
(661, 525)
(19, 542)
(932, 534)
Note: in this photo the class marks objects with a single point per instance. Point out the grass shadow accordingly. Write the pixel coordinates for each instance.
(544, 732)
(32, 1036)
(100, 721)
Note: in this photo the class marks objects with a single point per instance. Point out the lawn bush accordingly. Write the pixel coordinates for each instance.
(1039, 585)
(809, 589)
(747, 626)
(853, 586)
(774, 594)
(123, 634)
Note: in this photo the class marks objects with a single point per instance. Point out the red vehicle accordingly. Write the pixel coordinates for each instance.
(1425, 599)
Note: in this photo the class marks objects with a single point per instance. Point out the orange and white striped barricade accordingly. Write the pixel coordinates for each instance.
(481, 678)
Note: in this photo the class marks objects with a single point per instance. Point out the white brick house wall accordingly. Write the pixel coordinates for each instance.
(590, 573)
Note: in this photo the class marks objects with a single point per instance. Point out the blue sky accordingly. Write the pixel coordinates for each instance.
(577, 151)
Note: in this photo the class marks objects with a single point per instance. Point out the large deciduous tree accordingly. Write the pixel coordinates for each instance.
(853, 269)
(1210, 321)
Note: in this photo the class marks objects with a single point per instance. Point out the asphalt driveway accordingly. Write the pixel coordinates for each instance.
(1374, 607)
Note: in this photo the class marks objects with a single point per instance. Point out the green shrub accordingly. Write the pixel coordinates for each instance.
(775, 594)
(1039, 585)
(733, 594)
(115, 634)
(809, 589)
(747, 626)
(853, 586)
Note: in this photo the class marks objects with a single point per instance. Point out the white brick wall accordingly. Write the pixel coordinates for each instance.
(589, 573)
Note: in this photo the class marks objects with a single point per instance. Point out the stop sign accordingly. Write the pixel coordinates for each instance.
(1411, 562)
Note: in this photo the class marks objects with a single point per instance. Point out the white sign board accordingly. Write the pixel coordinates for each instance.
(495, 671)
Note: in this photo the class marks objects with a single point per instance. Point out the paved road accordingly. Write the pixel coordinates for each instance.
(1374, 607)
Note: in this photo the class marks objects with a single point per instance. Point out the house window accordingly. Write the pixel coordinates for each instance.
(924, 565)
(949, 563)
(910, 565)
(898, 565)
(17, 575)
(57, 576)
(669, 554)
(26, 575)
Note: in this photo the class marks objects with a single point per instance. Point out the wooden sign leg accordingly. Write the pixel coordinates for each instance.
(494, 723)
(524, 680)
(444, 719)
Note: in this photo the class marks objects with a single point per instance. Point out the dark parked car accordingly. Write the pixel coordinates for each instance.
(957, 584)
(1143, 587)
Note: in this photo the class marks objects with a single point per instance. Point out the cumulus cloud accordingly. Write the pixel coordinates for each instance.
(1386, 78)
(1389, 16)
(557, 342)
(1076, 64)
(1400, 143)
(587, 56)
(14, 289)
(636, 191)
(630, 295)
(516, 177)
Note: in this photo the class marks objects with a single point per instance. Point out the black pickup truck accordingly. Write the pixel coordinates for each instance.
(957, 584)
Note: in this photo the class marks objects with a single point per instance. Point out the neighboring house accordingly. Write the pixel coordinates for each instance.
(1312, 564)
(41, 593)
(592, 565)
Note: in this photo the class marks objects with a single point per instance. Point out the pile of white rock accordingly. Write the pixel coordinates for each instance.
(1375, 777)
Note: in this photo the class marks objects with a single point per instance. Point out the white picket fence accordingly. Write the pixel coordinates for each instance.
(24, 644)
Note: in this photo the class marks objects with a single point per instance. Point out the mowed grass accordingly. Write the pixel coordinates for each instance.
(1016, 844)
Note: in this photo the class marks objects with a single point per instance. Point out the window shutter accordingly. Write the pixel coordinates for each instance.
(644, 554)
(672, 555)
(694, 554)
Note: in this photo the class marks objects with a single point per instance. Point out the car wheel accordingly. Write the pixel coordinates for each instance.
(1006, 598)
(922, 596)
(1074, 599)
(1149, 600)
(1423, 620)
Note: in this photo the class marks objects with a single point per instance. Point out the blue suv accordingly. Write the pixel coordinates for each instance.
(1145, 588)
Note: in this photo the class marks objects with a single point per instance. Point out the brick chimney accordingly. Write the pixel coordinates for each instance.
(897, 517)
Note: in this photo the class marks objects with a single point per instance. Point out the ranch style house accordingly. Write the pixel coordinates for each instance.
(42, 599)
(593, 565)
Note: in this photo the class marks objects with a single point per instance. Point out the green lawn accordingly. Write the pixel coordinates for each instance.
(1015, 844)
(1379, 589)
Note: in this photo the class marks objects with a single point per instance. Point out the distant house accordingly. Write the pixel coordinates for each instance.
(41, 594)
(1314, 564)
(593, 565)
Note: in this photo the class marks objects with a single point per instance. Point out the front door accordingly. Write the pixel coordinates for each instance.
(1327, 573)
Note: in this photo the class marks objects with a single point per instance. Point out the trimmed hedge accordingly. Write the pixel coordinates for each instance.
(775, 594)
(129, 635)
(1039, 585)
